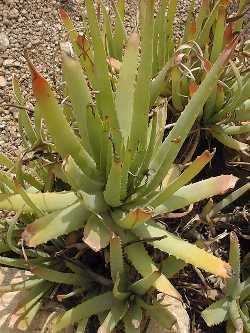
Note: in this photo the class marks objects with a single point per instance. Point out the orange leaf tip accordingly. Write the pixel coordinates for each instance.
(63, 14)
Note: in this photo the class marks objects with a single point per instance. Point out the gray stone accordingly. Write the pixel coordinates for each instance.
(4, 41)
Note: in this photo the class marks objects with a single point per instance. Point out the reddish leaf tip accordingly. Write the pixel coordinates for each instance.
(193, 87)
(39, 83)
(27, 234)
(205, 156)
(228, 50)
(226, 183)
(63, 14)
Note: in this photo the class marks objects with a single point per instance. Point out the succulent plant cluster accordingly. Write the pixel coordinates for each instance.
(98, 172)
(234, 306)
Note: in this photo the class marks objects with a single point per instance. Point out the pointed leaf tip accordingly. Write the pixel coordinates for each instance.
(226, 182)
(39, 84)
(229, 49)
(63, 14)
(205, 156)
(27, 234)
(193, 87)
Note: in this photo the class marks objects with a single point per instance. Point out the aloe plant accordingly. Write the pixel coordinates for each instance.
(101, 182)
(234, 306)
(225, 115)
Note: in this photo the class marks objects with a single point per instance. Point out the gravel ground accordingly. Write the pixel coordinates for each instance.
(34, 25)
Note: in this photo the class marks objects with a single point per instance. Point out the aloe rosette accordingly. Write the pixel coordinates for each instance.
(107, 147)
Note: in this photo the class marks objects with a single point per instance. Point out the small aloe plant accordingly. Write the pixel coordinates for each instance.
(179, 67)
(106, 145)
(234, 306)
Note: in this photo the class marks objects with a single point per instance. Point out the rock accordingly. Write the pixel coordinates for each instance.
(177, 309)
(14, 13)
(4, 41)
(8, 62)
(3, 82)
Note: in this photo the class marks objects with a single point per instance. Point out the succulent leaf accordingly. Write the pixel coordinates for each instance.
(217, 312)
(96, 234)
(181, 249)
(89, 307)
(55, 224)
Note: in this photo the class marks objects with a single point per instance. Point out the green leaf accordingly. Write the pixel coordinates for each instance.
(203, 14)
(20, 286)
(233, 284)
(116, 259)
(170, 148)
(104, 98)
(117, 290)
(138, 134)
(203, 36)
(171, 266)
(227, 140)
(176, 78)
(117, 312)
(108, 30)
(96, 234)
(78, 179)
(56, 276)
(233, 110)
(189, 22)
(81, 327)
(55, 224)
(216, 313)
(29, 305)
(235, 317)
(46, 202)
(218, 39)
(112, 193)
(132, 219)
(88, 308)
(124, 97)
(159, 46)
(159, 82)
(142, 286)
(172, 6)
(143, 263)
(26, 129)
(6, 162)
(188, 174)
(79, 95)
(120, 35)
(7, 182)
(68, 144)
(80, 44)
(195, 192)
(229, 199)
(17, 91)
(181, 249)
(21, 263)
(97, 136)
(236, 130)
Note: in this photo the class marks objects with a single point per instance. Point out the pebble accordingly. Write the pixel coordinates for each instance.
(8, 62)
(4, 41)
(13, 13)
(3, 82)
